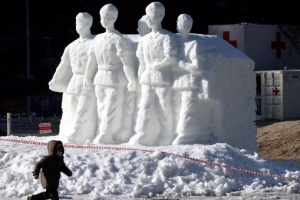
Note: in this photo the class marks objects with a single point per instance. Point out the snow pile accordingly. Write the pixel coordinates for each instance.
(103, 173)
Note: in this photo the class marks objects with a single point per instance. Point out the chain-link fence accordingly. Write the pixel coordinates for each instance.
(29, 125)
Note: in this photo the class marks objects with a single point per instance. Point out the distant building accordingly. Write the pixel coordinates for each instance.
(265, 44)
(277, 65)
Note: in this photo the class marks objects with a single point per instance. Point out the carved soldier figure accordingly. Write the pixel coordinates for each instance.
(156, 52)
(110, 68)
(188, 84)
(68, 77)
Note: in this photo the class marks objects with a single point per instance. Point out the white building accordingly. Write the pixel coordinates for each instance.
(265, 44)
(276, 63)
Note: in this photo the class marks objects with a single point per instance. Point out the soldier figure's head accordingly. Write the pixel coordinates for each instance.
(143, 28)
(155, 13)
(184, 24)
(84, 22)
(108, 15)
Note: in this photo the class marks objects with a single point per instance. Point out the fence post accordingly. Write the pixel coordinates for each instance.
(8, 124)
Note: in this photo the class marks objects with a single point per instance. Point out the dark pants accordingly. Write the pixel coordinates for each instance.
(51, 193)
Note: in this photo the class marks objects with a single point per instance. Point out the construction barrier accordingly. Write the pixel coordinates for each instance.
(45, 128)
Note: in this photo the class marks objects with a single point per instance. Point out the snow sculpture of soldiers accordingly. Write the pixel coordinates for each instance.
(110, 69)
(68, 77)
(143, 29)
(188, 84)
(156, 53)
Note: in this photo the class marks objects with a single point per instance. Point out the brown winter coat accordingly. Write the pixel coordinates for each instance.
(51, 166)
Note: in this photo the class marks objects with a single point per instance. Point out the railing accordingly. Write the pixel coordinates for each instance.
(10, 125)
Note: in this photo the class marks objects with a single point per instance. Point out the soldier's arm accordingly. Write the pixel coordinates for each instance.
(128, 66)
(140, 56)
(63, 73)
(170, 52)
(195, 68)
(198, 59)
(167, 61)
(91, 68)
(126, 54)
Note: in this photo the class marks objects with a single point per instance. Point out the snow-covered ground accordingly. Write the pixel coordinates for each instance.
(125, 174)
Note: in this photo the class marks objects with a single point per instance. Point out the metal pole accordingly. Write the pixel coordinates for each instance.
(28, 58)
(8, 124)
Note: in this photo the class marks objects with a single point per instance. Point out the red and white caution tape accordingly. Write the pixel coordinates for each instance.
(71, 146)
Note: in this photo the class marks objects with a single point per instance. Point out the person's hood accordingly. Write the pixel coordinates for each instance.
(52, 145)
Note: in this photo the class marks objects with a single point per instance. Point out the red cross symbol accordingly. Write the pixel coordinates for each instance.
(276, 91)
(278, 45)
(226, 36)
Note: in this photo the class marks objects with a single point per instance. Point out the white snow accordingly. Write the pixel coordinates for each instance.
(156, 90)
(124, 174)
(227, 110)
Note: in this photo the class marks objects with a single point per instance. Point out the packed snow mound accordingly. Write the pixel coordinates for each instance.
(134, 173)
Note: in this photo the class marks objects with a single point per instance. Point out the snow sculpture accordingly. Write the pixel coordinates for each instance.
(68, 78)
(192, 88)
(188, 90)
(110, 68)
(156, 53)
(231, 90)
(143, 28)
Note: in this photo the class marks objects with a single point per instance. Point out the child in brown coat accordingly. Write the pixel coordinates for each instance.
(51, 166)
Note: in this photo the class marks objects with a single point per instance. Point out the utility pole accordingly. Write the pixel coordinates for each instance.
(28, 57)
(8, 124)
